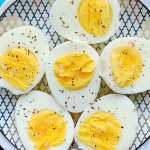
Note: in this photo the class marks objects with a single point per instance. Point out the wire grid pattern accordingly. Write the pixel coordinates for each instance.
(135, 20)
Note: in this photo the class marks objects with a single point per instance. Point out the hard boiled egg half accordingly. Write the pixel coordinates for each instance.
(23, 52)
(89, 21)
(73, 75)
(43, 124)
(107, 124)
(126, 65)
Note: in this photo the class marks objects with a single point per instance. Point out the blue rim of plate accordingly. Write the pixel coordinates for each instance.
(3, 132)
(6, 4)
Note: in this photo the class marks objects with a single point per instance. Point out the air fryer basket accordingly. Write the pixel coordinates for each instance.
(135, 21)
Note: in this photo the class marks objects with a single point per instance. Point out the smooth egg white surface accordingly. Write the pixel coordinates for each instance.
(63, 17)
(76, 99)
(142, 83)
(36, 101)
(31, 38)
(123, 109)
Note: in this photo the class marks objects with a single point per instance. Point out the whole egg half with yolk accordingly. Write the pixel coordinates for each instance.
(90, 21)
(109, 123)
(45, 125)
(73, 73)
(125, 65)
(22, 57)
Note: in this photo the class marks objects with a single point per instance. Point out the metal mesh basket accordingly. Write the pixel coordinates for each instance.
(135, 20)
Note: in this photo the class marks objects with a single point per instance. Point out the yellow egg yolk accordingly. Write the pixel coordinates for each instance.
(126, 65)
(46, 128)
(100, 130)
(19, 67)
(95, 16)
(74, 70)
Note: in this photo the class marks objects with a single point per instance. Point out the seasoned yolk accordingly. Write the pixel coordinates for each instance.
(74, 70)
(126, 65)
(95, 16)
(46, 128)
(19, 67)
(100, 130)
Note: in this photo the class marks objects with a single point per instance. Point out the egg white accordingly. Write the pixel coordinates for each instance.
(123, 109)
(24, 37)
(81, 97)
(37, 100)
(64, 21)
(142, 83)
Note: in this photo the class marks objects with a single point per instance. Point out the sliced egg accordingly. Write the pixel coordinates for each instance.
(110, 122)
(24, 51)
(73, 74)
(125, 65)
(42, 123)
(85, 20)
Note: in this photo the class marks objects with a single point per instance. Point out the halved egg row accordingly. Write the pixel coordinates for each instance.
(74, 70)
(71, 66)
(23, 55)
(109, 122)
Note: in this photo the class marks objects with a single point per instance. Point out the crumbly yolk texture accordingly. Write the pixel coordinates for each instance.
(100, 130)
(126, 65)
(46, 128)
(19, 67)
(95, 16)
(74, 70)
